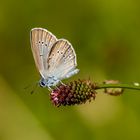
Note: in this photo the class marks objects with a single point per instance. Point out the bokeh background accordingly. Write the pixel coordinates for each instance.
(106, 38)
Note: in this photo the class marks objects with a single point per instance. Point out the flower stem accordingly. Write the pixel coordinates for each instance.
(124, 86)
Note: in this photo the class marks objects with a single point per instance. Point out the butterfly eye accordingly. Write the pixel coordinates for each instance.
(61, 52)
(42, 83)
(39, 42)
(42, 42)
(45, 44)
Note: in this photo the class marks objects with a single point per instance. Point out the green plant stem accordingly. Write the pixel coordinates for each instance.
(124, 86)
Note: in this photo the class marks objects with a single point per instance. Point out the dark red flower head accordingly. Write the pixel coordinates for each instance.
(76, 92)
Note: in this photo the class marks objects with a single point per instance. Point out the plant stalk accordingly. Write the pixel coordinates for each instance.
(123, 86)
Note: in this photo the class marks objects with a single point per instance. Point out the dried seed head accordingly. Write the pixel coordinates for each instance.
(76, 92)
(113, 91)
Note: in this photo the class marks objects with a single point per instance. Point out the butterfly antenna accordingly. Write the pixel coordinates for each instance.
(27, 86)
(35, 87)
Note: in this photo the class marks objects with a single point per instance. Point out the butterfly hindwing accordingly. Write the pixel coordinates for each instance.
(41, 44)
(62, 59)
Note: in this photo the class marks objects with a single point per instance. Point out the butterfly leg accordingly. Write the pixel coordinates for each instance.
(49, 88)
(62, 83)
(57, 87)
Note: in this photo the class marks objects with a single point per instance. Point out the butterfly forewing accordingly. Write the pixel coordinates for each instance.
(62, 59)
(41, 44)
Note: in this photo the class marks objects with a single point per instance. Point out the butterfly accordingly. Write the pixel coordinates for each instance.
(55, 58)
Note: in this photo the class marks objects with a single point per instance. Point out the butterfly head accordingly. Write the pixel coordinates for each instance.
(43, 82)
(48, 82)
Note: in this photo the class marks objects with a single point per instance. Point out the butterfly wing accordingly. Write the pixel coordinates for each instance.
(41, 44)
(62, 59)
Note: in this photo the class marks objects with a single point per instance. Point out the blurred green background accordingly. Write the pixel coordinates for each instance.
(106, 38)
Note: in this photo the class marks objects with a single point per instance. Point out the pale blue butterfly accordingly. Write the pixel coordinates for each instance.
(54, 58)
